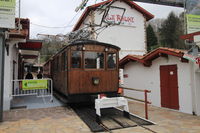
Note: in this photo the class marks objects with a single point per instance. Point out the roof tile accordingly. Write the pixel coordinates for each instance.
(152, 55)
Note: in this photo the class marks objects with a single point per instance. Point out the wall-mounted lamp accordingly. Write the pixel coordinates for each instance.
(83, 48)
(95, 80)
(106, 49)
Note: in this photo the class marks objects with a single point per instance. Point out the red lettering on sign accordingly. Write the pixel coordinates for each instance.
(118, 18)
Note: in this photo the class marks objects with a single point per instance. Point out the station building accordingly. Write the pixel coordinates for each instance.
(20, 50)
(172, 77)
(128, 33)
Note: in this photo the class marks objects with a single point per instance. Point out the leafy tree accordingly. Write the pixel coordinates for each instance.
(171, 30)
(51, 46)
(152, 40)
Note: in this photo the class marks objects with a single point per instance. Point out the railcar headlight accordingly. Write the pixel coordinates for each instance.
(95, 80)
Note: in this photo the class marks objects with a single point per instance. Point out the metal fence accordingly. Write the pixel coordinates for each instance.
(19, 88)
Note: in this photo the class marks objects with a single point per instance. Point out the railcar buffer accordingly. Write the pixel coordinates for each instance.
(106, 102)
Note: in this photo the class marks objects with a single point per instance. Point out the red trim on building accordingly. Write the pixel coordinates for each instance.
(190, 36)
(129, 58)
(146, 14)
(30, 45)
(157, 53)
(148, 58)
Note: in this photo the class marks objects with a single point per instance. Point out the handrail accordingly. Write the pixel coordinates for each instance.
(145, 98)
(148, 91)
(137, 99)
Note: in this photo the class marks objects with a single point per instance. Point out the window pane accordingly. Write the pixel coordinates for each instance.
(76, 59)
(112, 60)
(64, 61)
(57, 63)
(94, 60)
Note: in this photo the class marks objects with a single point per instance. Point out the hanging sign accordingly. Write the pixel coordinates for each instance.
(7, 14)
(34, 84)
(193, 15)
(193, 23)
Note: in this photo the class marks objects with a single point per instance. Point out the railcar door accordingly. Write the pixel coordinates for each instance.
(74, 74)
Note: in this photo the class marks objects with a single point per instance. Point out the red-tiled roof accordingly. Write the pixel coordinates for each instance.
(146, 14)
(147, 59)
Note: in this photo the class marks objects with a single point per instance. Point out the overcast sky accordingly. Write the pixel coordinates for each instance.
(61, 13)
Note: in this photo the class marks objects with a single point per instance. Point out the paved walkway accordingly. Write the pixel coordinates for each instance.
(64, 120)
(49, 120)
(168, 121)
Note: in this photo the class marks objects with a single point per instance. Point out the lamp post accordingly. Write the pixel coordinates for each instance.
(2, 53)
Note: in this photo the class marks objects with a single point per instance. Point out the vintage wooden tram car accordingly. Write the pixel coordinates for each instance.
(85, 68)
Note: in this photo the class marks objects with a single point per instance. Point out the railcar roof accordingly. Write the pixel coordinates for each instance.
(82, 42)
(92, 42)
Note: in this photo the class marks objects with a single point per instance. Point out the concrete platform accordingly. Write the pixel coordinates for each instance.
(34, 102)
(64, 120)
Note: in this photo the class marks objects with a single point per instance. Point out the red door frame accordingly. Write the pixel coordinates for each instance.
(169, 87)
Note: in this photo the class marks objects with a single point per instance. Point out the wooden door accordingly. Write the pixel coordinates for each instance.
(169, 87)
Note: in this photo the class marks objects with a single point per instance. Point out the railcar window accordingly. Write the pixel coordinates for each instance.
(54, 65)
(111, 60)
(57, 63)
(94, 60)
(60, 64)
(76, 59)
(64, 61)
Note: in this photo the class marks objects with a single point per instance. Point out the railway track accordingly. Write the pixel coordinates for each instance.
(111, 119)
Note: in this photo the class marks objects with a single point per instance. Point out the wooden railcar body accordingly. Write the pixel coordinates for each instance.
(47, 69)
(85, 68)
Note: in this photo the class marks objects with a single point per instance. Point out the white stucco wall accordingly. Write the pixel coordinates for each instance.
(8, 74)
(141, 77)
(131, 39)
(196, 89)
